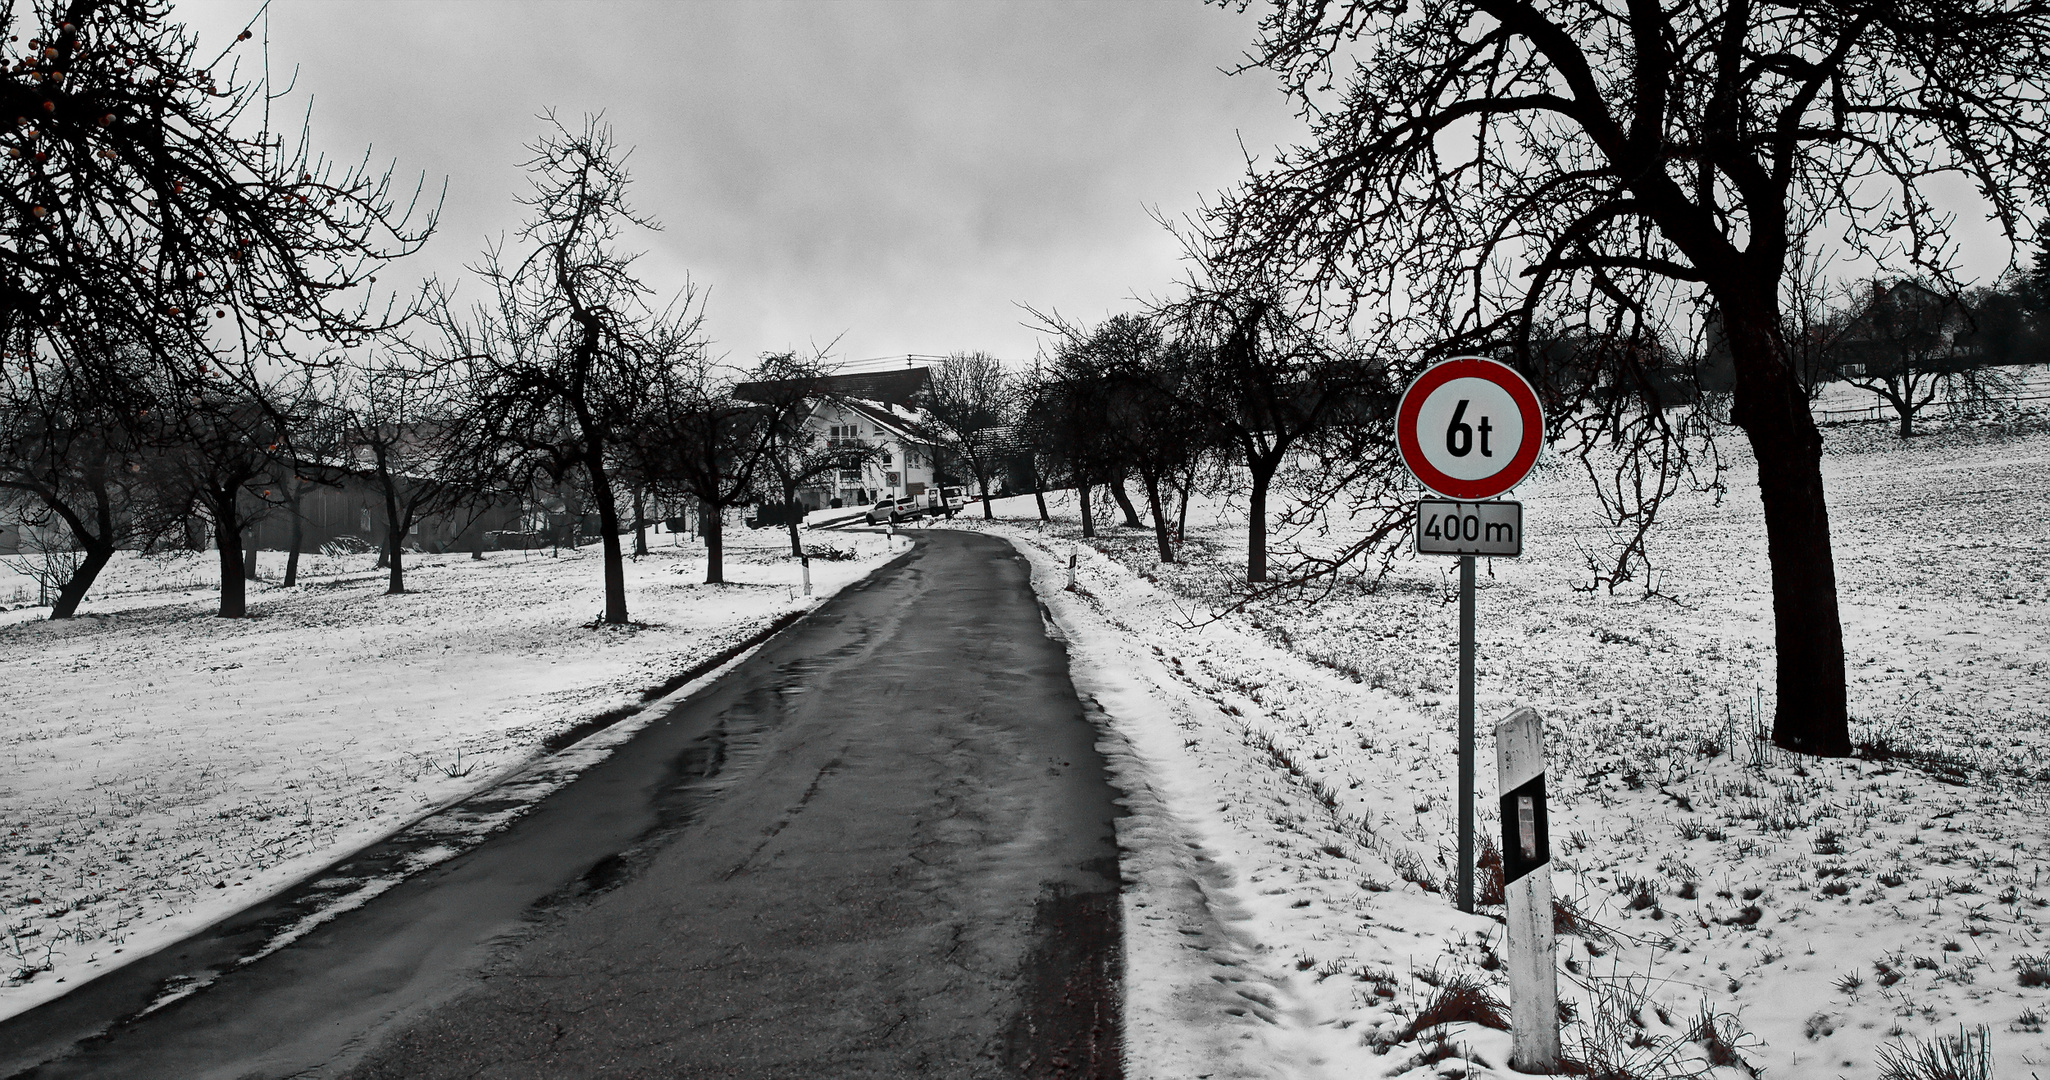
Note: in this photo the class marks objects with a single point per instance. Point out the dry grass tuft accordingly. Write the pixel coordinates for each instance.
(1968, 1055)
(1459, 999)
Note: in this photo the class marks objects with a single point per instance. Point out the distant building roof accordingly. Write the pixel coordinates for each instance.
(911, 423)
(900, 387)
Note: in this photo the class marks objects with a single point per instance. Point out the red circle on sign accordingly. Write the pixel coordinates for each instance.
(1470, 367)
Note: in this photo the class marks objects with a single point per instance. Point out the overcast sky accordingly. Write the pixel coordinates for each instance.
(898, 175)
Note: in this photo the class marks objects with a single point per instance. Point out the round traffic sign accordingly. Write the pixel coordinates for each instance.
(1469, 428)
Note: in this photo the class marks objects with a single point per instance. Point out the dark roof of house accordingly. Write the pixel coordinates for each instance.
(898, 386)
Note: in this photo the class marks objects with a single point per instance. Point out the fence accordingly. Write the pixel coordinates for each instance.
(1885, 411)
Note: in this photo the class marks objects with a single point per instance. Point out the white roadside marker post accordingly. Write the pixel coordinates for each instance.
(807, 577)
(1527, 885)
(1071, 568)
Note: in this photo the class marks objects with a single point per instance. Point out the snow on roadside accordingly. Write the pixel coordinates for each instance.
(161, 768)
(1742, 910)
(1250, 905)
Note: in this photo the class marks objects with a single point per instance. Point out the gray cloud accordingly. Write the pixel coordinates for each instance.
(904, 173)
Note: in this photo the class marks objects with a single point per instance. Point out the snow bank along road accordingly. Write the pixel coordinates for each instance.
(882, 846)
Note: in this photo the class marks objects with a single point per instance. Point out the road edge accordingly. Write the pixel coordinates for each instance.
(442, 832)
(1172, 1003)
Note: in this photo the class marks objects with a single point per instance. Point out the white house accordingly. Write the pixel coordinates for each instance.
(877, 409)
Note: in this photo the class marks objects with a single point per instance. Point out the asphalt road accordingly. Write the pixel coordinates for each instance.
(883, 846)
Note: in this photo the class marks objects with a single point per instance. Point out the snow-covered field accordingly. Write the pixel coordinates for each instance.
(161, 768)
(1291, 773)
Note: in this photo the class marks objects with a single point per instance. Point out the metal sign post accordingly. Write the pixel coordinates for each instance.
(1469, 429)
(1527, 885)
(1466, 733)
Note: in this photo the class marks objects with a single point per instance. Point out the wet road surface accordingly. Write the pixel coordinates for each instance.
(882, 846)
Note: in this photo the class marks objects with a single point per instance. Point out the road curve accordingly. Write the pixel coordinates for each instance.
(882, 846)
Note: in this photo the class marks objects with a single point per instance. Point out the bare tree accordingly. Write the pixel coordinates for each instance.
(1270, 371)
(1059, 427)
(221, 443)
(164, 241)
(402, 428)
(700, 440)
(2032, 291)
(1913, 346)
(1475, 162)
(316, 459)
(790, 388)
(565, 357)
(71, 459)
(1032, 444)
(970, 401)
(1123, 387)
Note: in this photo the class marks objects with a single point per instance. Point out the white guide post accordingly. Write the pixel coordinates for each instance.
(1527, 881)
(807, 577)
(1071, 568)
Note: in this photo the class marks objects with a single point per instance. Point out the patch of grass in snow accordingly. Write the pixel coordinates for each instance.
(1456, 998)
(1968, 1055)
(1625, 1034)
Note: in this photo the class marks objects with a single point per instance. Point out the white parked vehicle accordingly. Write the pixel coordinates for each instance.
(933, 502)
(892, 510)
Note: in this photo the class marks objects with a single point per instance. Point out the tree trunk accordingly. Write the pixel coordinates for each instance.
(1038, 486)
(715, 544)
(1812, 713)
(97, 554)
(982, 479)
(1262, 471)
(796, 547)
(298, 541)
(1160, 534)
(790, 517)
(1117, 491)
(99, 550)
(228, 541)
(1082, 493)
(608, 529)
(395, 564)
(640, 524)
(1181, 517)
(395, 542)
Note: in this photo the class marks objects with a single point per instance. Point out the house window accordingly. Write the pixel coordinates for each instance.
(886, 455)
(849, 477)
(839, 435)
